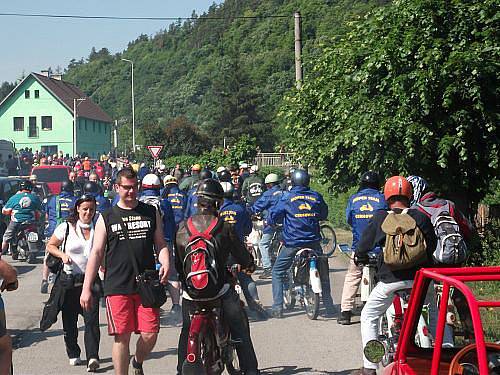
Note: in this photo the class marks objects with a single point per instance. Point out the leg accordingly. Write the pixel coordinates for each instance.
(235, 317)
(326, 292)
(351, 284)
(92, 332)
(5, 343)
(264, 244)
(121, 353)
(145, 344)
(9, 234)
(148, 324)
(281, 266)
(70, 311)
(174, 289)
(379, 301)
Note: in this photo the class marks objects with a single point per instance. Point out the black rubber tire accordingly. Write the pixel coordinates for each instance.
(14, 252)
(383, 331)
(31, 258)
(311, 301)
(289, 299)
(327, 232)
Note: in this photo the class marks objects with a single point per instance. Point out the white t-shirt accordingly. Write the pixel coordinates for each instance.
(77, 247)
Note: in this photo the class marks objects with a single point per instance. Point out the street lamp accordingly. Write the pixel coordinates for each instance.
(76, 103)
(133, 104)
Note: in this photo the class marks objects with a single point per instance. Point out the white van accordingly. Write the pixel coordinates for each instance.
(6, 149)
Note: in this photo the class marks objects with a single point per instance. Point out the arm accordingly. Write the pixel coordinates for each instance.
(237, 249)
(53, 247)
(7, 273)
(323, 207)
(348, 212)
(371, 237)
(260, 204)
(95, 260)
(246, 223)
(276, 213)
(163, 252)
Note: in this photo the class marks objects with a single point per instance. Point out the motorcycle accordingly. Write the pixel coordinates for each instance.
(303, 283)
(26, 243)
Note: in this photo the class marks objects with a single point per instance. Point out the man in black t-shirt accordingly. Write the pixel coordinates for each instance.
(125, 312)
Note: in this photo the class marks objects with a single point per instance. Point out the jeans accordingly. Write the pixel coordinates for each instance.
(70, 311)
(264, 244)
(378, 302)
(281, 266)
(249, 289)
(430, 298)
(237, 320)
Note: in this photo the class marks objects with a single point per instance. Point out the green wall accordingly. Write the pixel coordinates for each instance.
(93, 137)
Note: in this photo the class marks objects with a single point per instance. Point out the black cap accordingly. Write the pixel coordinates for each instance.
(205, 173)
(67, 186)
(91, 187)
(210, 188)
(225, 176)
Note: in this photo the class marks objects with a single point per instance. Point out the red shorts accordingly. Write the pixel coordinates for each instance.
(126, 315)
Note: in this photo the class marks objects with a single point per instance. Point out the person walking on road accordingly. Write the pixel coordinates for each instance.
(142, 237)
(75, 237)
(8, 282)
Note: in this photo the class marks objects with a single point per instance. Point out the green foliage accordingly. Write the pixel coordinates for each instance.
(411, 89)
(337, 203)
(185, 161)
(493, 195)
(5, 89)
(264, 171)
(485, 249)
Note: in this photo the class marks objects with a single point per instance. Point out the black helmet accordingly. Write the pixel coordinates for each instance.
(225, 176)
(26, 185)
(205, 173)
(67, 186)
(370, 179)
(210, 188)
(300, 177)
(90, 187)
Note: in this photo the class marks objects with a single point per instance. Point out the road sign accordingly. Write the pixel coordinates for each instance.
(155, 151)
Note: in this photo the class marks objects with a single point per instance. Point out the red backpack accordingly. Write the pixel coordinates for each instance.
(200, 262)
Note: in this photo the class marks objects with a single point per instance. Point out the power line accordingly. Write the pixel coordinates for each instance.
(76, 16)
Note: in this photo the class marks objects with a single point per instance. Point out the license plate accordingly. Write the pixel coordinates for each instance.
(32, 237)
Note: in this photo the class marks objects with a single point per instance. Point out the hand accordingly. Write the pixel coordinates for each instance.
(250, 269)
(66, 259)
(163, 273)
(86, 299)
(361, 259)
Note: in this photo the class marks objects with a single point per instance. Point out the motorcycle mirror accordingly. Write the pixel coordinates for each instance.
(374, 351)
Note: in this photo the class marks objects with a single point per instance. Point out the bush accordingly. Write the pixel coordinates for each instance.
(337, 203)
(185, 161)
(264, 171)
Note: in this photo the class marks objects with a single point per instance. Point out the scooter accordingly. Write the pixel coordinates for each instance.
(26, 243)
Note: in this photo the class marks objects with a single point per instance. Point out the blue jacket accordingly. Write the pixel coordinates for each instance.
(236, 214)
(360, 210)
(267, 200)
(116, 199)
(66, 203)
(191, 204)
(143, 171)
(301, 210)
(166, 212)
(178, 202)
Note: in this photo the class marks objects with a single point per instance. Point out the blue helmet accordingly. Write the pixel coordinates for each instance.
(420, 187)
(300, 177)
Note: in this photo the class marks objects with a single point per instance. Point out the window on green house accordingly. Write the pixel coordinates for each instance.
(85, 124)
(100, 127)
(18, 124)
(37, 94)
(27, 94)
(46, 122)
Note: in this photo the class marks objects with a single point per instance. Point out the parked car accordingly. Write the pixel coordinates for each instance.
(52, 175)
(469, 304)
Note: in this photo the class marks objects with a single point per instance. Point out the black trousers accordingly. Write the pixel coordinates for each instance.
(237, 320)
(70, 311)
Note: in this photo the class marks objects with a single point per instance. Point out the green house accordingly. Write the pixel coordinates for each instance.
(40, 114)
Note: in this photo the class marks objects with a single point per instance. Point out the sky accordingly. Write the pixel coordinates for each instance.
(34, 44)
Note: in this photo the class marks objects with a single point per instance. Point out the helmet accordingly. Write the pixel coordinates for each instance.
(271, 178)
(196, 167)
(225, 176)
(151, 181)
(205, 173)
(397, 185)
(67, 186)
(370, 179)
(419, 185)
(91, 188)
(169, 179)
(228, 189)
(254, 169)
(220, 169)
(33, 177)
(300, 177)
(26, 185)
(243, 165)
(210, 188)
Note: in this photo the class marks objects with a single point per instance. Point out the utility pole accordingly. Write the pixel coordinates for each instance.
(298, 50)
(75, 119)
(133, 105)
(115, 135)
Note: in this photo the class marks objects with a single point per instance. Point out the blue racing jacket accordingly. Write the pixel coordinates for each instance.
(236, 214)
(266, 201)
(301, 210)
(360, 210)
(191, 203)
(152, 197)
(66, 201)
(178, 202)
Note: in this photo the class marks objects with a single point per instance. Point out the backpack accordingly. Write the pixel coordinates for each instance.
(255, 190)
(200, 263)
(451, 247)
(152, 201)
(405, 246)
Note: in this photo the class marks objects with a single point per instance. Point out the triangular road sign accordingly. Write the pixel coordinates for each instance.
(155, 151)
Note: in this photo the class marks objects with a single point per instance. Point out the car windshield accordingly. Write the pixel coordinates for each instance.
(51, 174)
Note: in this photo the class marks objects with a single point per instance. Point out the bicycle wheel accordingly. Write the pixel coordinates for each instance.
(289, 299)
(311, 303)
(328, 239)
(231, 361)
(383, 335)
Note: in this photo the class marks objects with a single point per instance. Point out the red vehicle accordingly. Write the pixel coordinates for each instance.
(52, 175)
(474, 295)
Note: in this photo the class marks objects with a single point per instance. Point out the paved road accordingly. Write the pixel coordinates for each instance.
(294, 345)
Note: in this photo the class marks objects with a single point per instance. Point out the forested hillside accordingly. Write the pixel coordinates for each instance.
(213, 78)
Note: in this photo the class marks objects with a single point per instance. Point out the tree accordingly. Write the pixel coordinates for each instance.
(5, 89)
(412, 89)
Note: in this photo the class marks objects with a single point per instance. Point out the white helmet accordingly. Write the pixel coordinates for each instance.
(151, 181)
(221, 169)
(228, 189)
(271, 178)
(254, 169)
(169, 179)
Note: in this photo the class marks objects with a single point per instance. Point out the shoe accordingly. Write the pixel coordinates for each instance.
(176, 312)
(277, 313)
(266, 274)
(344, 318)
(137, 367)
(329, 313)
(93, 365)
(364, 371)
(75, 361)
(259, 311)
(44, 288)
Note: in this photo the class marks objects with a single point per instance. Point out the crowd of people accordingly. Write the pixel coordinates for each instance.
(112, 223)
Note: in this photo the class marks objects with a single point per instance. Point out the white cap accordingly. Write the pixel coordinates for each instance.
(151, 181)
(221, 169)
(254, 169)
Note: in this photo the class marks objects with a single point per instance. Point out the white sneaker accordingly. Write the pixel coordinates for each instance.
(93, 365)
(75, 361)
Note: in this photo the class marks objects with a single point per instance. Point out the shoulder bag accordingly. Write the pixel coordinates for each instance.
(55, 263)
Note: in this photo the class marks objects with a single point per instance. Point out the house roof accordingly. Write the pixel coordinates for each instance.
(66, 92)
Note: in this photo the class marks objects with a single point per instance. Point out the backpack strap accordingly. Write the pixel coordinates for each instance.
(207, 233)
(58, 207)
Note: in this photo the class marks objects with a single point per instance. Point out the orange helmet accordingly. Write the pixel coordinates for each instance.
(397, 185)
